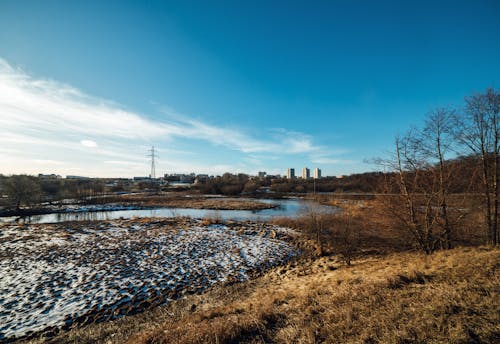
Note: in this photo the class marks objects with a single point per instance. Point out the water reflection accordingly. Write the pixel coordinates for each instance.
(288, 208)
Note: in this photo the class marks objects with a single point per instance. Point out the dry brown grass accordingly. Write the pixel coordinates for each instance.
(193, 202)
(369, 230)
(449, 297)
(389, 295)
(382, 230)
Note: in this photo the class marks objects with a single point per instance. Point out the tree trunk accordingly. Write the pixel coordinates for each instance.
(413, 224)
(494, 234)
(444, 206)
(486, 185)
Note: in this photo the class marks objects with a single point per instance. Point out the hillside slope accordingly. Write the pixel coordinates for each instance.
(449, 297)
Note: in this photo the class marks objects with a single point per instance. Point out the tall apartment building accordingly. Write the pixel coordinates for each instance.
(290, 174)
(306, 173)
(317, 173)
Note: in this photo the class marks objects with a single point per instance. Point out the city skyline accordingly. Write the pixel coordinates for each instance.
(84, 92)
(316, 174)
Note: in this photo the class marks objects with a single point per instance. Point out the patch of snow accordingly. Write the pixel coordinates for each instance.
(51, 275)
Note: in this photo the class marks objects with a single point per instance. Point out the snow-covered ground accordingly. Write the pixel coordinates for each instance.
(56, 275)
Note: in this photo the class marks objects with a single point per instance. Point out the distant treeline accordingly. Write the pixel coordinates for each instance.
(26, 191)
(359, 183)
(231, 184)
(242, 184)
(464, 179)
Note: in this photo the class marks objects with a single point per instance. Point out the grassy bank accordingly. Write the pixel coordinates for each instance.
(449, 297)
(191, 202)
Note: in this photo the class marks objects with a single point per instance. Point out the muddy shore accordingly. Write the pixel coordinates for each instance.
(140, 203)
(202, 203)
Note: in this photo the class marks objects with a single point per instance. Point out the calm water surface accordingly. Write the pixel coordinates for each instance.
(286, 207)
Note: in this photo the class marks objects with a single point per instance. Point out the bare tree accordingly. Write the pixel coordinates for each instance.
(425, 178)
(411, 167)
(479, 131)
(22, 190)
(346, 230)
(315, 222)
(436, 140)
(420, 206)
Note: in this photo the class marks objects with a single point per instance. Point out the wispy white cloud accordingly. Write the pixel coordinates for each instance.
(47, 162)
(273, 140)
(330, 156)
(88, 143)
(333, 161)
(44, 121)
(41, 105)
(294, 142)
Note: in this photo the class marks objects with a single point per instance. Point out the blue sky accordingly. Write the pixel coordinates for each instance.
(239, 86)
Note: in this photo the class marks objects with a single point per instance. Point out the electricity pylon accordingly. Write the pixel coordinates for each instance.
(153, 155)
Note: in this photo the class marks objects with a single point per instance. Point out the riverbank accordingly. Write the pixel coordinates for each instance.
(141, 202)
(197, 202)
(60, 276)
(70, 208)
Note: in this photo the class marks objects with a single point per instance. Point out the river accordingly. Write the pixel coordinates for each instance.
(285, 208)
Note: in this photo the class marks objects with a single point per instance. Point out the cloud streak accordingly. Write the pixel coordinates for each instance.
(43, 121)
(283, 141)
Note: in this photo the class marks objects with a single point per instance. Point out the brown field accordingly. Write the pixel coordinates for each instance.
(391, 293)
(449, 297)
(189, 202)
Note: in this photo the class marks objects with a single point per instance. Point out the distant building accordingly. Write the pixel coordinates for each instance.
(180, 178)
(306, 173)
(262, 174)
(49, 176)
(201, 178)
(290, 174)
(317, 173)
(76, 177)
